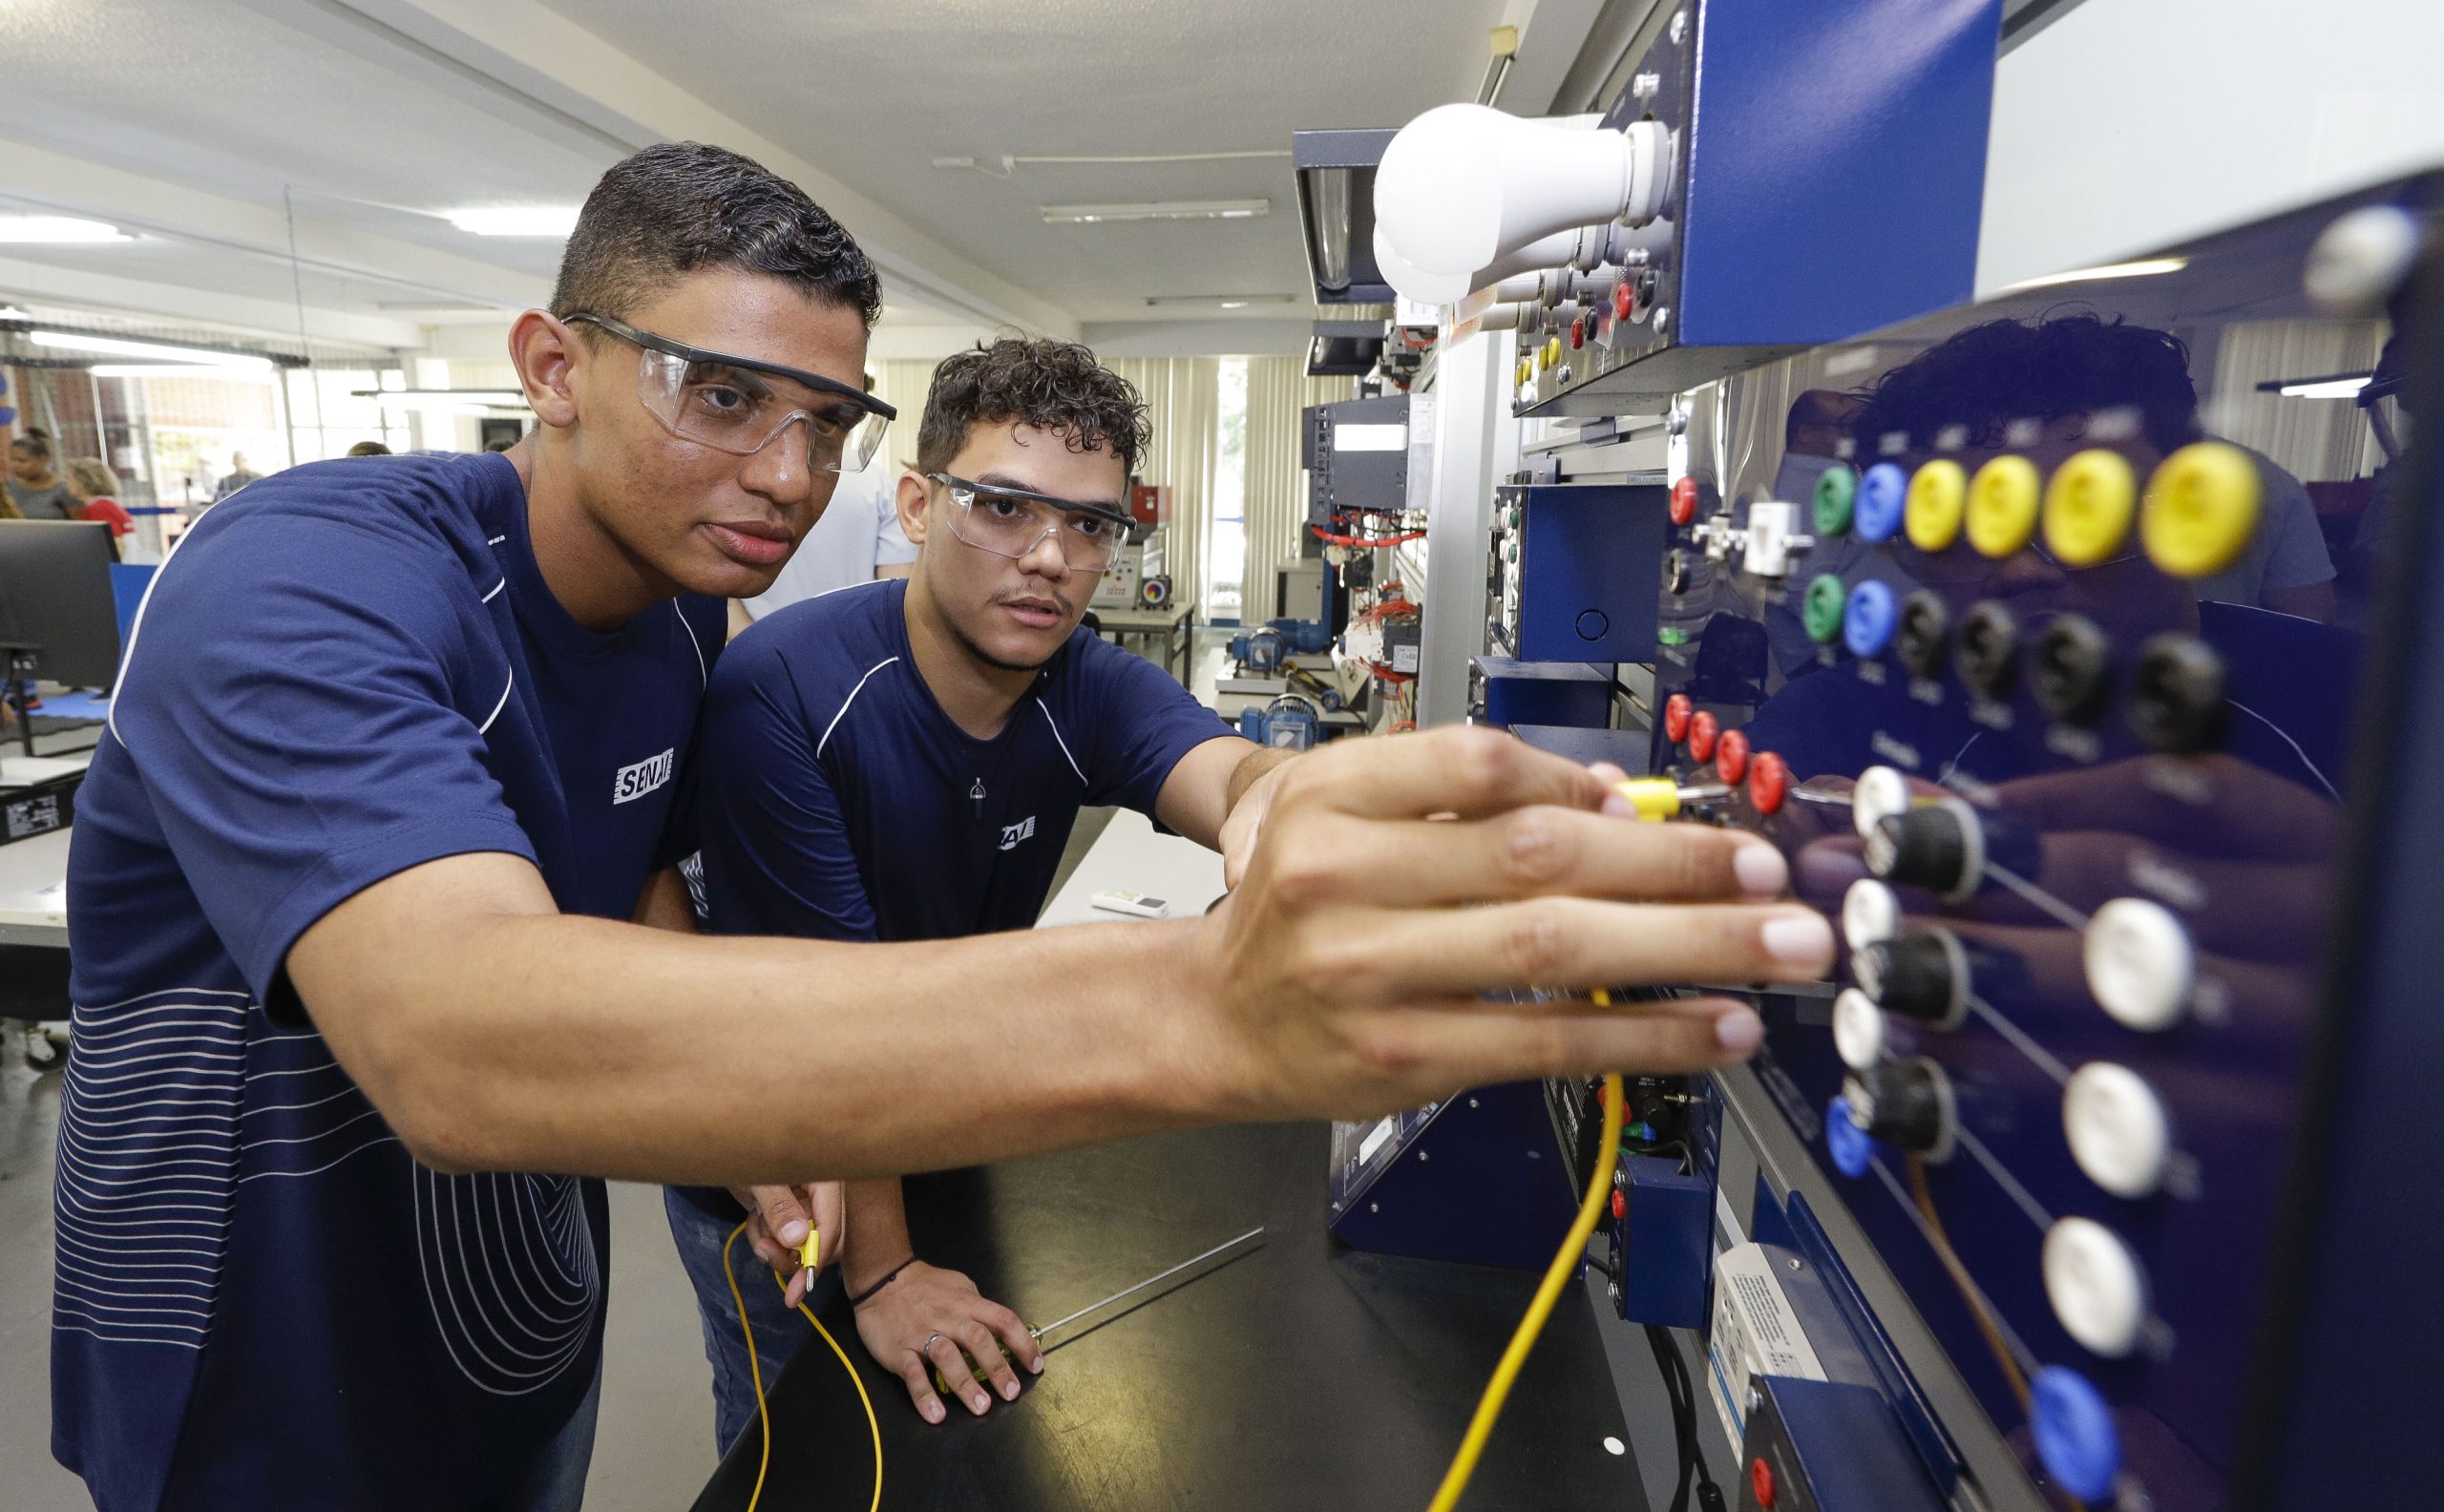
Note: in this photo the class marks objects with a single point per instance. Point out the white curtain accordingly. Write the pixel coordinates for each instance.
(1278, 390)
(902, 386)
(1184, 402)
(2315, 440)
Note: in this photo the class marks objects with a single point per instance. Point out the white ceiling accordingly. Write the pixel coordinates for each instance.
(188, 120)
(875, 91)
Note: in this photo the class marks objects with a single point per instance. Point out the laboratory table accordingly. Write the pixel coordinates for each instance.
(1173, 628)
(1302, 1376)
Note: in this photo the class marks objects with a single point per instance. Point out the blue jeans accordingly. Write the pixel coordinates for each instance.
(553, 1480)
(779, 1331)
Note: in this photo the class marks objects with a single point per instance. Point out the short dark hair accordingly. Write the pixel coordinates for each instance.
(678, 207)
(1055, 386)
(34, 439)
(1989, 375)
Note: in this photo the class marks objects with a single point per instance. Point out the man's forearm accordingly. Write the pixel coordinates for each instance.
(560, 1043)
(877, 1231)
(1251, 766)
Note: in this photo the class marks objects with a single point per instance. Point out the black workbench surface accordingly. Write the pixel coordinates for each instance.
(1303, 1375)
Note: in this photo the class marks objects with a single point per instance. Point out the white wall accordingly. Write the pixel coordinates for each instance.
(2130, 123)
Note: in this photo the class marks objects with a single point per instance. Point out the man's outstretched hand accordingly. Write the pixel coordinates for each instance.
(1397, 881)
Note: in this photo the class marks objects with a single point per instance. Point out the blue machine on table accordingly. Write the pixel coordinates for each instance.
(2101, 1170)
(1828, 167)
(1262, 650)
(1291, 722)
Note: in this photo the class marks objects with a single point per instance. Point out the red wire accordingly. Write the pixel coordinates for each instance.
(1357, 544)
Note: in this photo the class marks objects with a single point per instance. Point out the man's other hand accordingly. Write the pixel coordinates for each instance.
(928, 1319)
(776, 1227)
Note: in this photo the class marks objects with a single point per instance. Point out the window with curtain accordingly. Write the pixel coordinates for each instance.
(1183, 401)
(1226, 538)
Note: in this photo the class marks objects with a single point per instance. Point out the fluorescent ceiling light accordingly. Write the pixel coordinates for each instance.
(34, 229)
(11, 312)
(1157, 210)
(78, 341)
(2327, 388)
(253, 375)
(517, 221)
(2145, 267)
(1216, 301)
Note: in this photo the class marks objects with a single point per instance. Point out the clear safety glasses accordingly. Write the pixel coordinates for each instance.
(734, 404)
(1012, 522)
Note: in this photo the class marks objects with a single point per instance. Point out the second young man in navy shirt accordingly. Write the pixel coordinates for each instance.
(904, 761)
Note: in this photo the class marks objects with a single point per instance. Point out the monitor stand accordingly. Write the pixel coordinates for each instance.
(17, 689)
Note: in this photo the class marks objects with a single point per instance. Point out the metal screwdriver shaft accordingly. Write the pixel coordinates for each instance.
(1040, 1333)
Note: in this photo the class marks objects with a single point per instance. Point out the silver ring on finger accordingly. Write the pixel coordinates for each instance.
(930, 1339)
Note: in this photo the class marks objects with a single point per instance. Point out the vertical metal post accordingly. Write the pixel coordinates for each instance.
(1475, 437)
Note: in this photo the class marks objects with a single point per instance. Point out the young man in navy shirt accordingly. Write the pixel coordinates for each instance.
(904, 760)
(399, 750)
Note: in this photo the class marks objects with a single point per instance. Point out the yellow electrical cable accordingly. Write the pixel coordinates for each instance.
(811, 1252)
(1566, 1264)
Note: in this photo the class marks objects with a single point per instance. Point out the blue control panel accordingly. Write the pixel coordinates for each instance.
(2036, 634)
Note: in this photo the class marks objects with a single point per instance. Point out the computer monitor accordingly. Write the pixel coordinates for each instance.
(55, 592)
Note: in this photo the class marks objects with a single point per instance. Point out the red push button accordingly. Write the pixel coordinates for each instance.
(1624, 303)
(1703, 728)
(1760, 1480)
(1769, 782)
(1577, 332)
(1684, 501)
(1731, 757)
(1620, 1203)
(1676, 718)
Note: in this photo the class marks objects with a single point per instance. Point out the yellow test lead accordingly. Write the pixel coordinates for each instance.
(1658, 798)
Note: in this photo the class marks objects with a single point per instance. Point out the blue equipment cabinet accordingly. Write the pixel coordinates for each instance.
(1590, 559)
(2108, 1140)
(1831, 167)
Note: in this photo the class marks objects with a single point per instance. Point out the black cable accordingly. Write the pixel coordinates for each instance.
(1684, 1423)
(1667, 1356)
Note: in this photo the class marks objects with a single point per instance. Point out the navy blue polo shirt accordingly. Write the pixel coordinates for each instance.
(839, 802)
(261, 1301)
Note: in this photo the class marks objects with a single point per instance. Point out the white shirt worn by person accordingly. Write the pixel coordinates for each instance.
(859, 531)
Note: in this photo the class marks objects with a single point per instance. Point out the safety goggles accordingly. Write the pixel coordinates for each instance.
(731, 405)
(1013, 522)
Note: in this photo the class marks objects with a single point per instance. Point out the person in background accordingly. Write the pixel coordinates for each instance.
(240, 475)
(95, 488)
(369, 448)
(857, 541)
(37, 491)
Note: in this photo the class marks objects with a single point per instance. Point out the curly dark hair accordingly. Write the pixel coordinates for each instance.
(1989, 375)
(680, 207)
(1032, 380)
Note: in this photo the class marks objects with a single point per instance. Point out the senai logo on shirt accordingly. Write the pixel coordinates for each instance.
(1012, 834)
(636, 781)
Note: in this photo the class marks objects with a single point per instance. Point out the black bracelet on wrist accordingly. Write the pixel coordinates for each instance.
(866, 1296)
